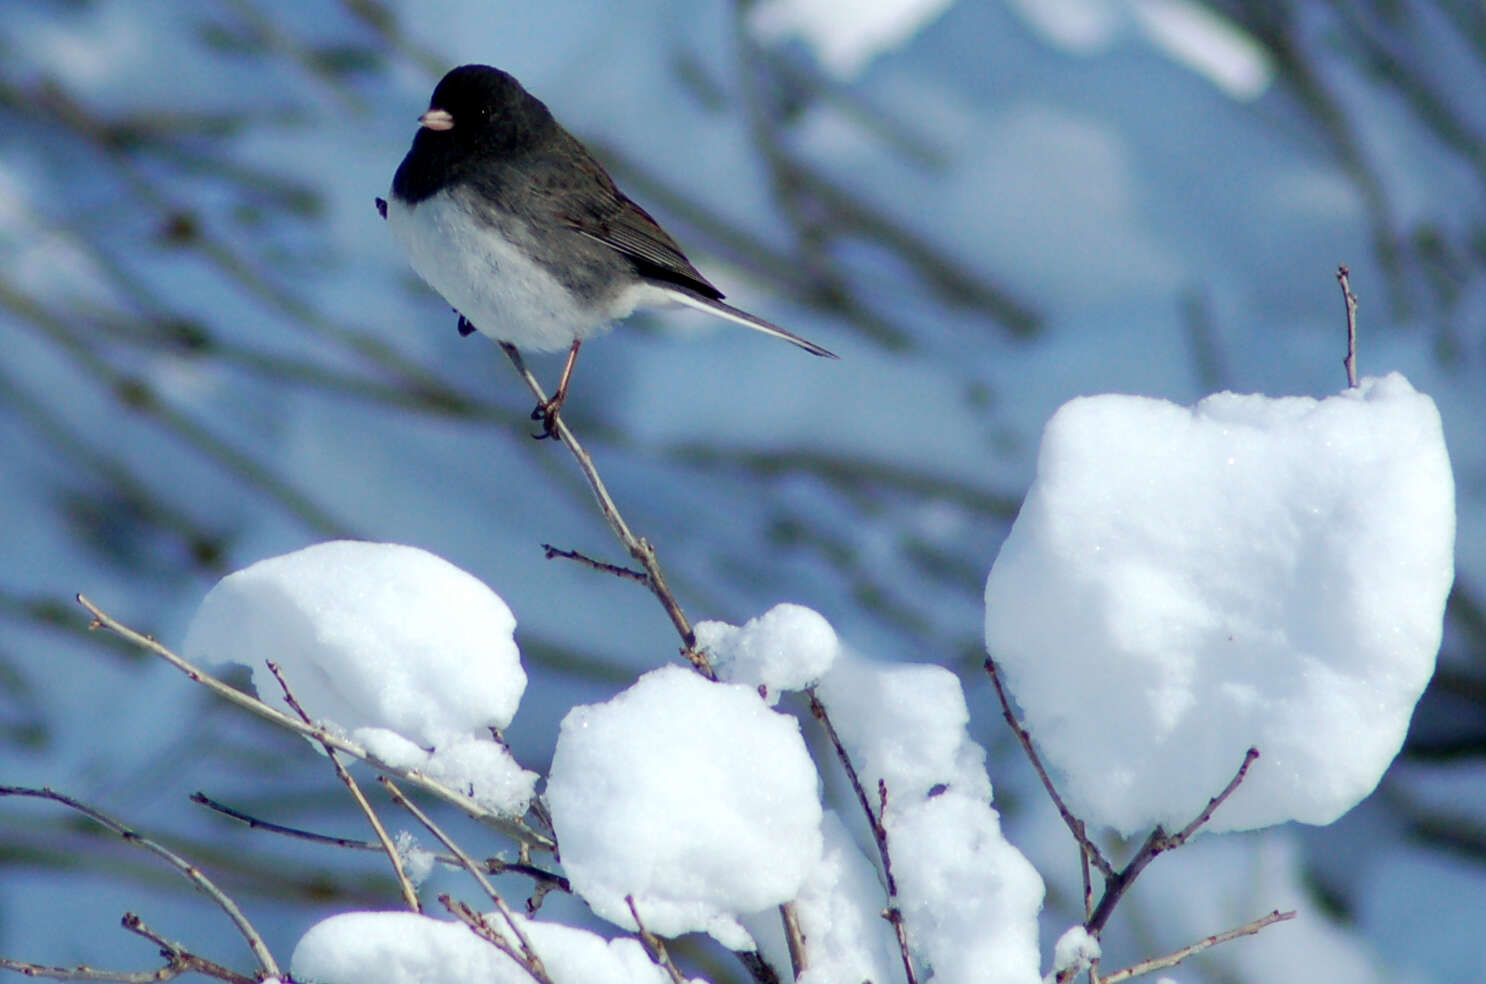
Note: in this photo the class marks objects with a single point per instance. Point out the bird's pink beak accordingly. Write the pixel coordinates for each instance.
(436, 119)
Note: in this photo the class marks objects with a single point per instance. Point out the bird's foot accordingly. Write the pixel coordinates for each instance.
(546, 412)
(466, 329)
(382, 207)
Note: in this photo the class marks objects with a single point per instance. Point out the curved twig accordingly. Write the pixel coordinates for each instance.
(409, 894)
(186, 868)
(639, 548)
(512, 827)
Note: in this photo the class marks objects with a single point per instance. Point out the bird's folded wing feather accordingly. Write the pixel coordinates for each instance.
(611, 218)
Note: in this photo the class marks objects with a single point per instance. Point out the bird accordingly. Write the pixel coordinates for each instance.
(518, 227)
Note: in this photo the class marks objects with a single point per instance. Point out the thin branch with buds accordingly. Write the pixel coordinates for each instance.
(531, 961)
(409, 894)
(1158, 843)
(1087, 848)
(638, 547)
(511, 826)
(547, 881)
(481, 927)
(180, 864)
(1344, 277)
(178, 961)
(879, 831)
(1176, 957)
(1117, 883)
(794, 938)
(654, 945)
(624, 573)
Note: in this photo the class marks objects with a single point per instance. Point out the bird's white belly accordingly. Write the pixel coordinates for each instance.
(488, 280)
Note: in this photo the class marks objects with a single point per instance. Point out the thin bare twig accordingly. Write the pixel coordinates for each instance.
(1074, 824)
(174, 967)
(178, 961)
(1157, 843)
(1116, 883)
(621, 572)
(174, 951)
(533, 962)
(638, 547)
(257, 823)
(1083, 867)
(511, 826)
(654, 945)
(1176, 957)
(409, 894)
(186, 868)
(879, 831)
(1180, 838)
(794, 938)
(481, 927)
(1344, 277)
(547, 881)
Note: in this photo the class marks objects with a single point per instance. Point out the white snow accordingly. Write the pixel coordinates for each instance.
(1074, 951)
(407, 948)
(789, 647)
(694, 797)
(417, 861)
(1186, 213)
(840, 912)
(1183, 583)
(403, 651)
(968, 897)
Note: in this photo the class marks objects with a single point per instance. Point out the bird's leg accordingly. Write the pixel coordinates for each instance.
(546, 411)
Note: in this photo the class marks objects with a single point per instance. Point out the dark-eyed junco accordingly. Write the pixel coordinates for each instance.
(510, 218)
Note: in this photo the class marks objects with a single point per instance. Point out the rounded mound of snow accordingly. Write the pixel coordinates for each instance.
(408, 948)
(789, 647)
(1182, 584)
(369, 635)
(694, 797)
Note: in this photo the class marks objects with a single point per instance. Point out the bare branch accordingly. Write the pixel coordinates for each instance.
(794, 938)
(1344, 277)
(879, 832)
(532, 961)
(409, 894)
(1075, 825)
(1157, 843)
(82, 972)
(546, 881)
(1180, 838)
(1116, 883)
(654, 945)
(511, 826)
(186, 868)
(257, 823)
(174, 952)
(481, 927)
(639, 548)
(178, 961)
(621, 572)
(1172, 959)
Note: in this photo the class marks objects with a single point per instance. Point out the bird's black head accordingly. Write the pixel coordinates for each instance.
(477, 115)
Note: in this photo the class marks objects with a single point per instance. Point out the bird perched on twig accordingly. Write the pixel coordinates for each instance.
(510, 218)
